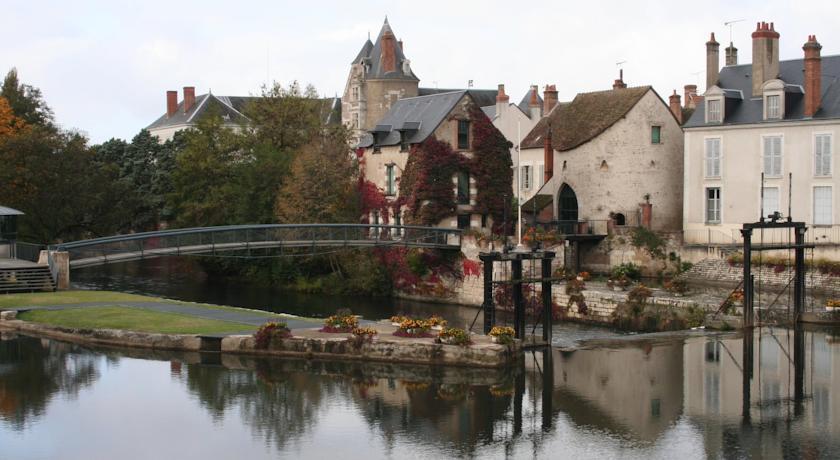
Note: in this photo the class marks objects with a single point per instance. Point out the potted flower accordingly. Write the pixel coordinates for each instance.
(396, 320)
(502, 335)
(454, 336)
(413, 328)
(832, 305)
(365, 334)
(269, 332)
(584, 276)
(620, 283)
(436, 322)
(676, 286)
(342, 321)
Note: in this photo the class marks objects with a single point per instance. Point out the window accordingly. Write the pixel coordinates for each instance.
(655, 134)
(540, 175)
(772, 156)
(774, 111)
(525, 172)
(463, 221)
(403, 141)
(713, 205)
(822, 205)
(714, 111)
(463, 134)
(355, 93)
(463, 187)
(822, 155)
(713, 157)
(356, 120)
(390, 180)
(770, 203)
(484, 221)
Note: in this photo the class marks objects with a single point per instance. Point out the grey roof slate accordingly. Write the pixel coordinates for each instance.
(737, 80)
(373, 59)
(524, 103)
(425, 113)
(490, 111)
(5, 211)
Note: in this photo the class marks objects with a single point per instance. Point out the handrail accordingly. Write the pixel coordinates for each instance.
(223, 228)
(53, 268)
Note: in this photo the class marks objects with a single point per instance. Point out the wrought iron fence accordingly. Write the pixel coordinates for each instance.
(819, 235)
(27, 251)
(577, 227)
(269, 240)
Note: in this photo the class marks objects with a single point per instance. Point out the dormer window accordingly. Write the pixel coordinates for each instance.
(774, 101)
(774, 109)
(713, 111)
(404, 141)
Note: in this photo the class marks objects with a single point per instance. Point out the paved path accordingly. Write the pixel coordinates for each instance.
(252, 318)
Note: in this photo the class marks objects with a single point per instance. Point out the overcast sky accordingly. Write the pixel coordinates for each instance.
(104, 66)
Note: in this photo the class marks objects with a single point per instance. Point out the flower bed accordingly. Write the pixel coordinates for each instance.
(413, 328)
(269, 332)
(503, 335)
(454, 336)
(341, 322)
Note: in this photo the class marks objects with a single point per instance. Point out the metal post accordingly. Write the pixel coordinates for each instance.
(546, 301)
(487, 306)
(799, 274)
(798, 368)
(518, 301)
(748, 285)
(746, 375)
(547, 388)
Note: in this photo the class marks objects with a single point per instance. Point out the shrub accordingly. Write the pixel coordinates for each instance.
(628, 270)
(650, 241)
(269, 332)
(695, 316)
(639, 294)
(574, 289)
(454, 336)
(677, 286)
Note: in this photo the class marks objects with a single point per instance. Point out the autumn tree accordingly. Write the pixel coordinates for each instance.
(25, 100)
(10, 124)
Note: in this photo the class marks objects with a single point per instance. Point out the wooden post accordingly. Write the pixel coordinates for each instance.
(488, 306)
(546, 300)
(799, 274)
(748, 284)
(518, 301)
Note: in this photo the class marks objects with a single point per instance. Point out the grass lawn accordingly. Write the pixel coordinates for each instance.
(131, 319)
(69, 297)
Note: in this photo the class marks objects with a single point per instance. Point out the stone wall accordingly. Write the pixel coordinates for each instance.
(720, 271)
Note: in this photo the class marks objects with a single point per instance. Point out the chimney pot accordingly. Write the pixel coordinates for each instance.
(548, 155)
(549, 99)
(676, 106)
(765, 56)
(690, 93)
(389, 54)
(501, 97)
(813, 75)
(534, 103)
(171, 103)
(712, 62)
(189, 98)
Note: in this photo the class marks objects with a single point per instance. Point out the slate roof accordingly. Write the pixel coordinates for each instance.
(371, 56)
(418, 116)
(738, 80)
(584, 118)
(524, 103)
(231, 109)
(482, 97)
(4, 211)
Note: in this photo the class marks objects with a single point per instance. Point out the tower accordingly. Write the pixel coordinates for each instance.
(379, 75)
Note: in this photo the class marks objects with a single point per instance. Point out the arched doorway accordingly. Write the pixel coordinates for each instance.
(567, 209)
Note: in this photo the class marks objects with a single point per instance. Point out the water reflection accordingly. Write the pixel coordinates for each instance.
(695, 396)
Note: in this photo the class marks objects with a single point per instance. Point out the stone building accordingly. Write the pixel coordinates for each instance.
(385, 150)
(609, 158)
(773, 117)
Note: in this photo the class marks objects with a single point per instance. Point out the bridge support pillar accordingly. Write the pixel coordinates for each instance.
(60, 264)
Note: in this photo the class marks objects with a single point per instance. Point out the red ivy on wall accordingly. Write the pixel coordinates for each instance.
(426, 185)
(491, 167)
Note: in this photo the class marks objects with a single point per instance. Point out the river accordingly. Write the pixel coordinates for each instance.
(617, 396)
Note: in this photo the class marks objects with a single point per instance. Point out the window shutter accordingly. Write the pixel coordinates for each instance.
(822, 205)
(541, 174)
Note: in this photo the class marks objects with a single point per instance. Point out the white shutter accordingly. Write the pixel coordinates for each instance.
(772, 156)
(712, 157)
(822, 155)
(541, 176)
(822, 205)
(771, 200)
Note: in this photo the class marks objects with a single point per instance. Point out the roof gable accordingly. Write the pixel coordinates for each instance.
(373, 59)
(588, 115)
(418, 116)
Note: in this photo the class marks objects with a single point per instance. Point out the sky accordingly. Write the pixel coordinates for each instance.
(104, 66)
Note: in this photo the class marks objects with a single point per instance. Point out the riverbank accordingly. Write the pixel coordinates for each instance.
(145, 322)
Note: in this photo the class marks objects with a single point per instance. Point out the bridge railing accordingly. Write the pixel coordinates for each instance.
(256, 240)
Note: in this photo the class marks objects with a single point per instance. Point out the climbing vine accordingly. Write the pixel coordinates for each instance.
(426, 185)
(491, 167)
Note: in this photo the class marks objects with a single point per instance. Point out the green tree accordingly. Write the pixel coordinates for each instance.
(284, 118)
(26, 100)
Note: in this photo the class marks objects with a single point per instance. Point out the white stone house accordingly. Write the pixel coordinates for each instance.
(779, 118)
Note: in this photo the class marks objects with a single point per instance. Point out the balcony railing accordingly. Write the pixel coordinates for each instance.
(577, 227)
(822, 235)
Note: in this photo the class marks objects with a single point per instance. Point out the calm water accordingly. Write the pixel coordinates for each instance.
(656, 396)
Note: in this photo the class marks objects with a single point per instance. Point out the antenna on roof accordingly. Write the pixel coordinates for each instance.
(729, 24)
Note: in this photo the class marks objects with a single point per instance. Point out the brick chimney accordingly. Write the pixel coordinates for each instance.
(813, 75)
(712, 62)
(765, 56)
(549, 99)
(731, 55)
(534, 103)
(189, 98)
(690, 95)
(676, 106)
(389, 53)
(618, 84)
(400, 43)
(171, 103)
(502, 100)
(548, 156)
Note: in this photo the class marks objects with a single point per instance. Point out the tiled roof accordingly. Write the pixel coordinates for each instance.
(738, 80)
(587, 116)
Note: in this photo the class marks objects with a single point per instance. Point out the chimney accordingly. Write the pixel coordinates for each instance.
(534, 103)
(400, 43)
(389, 54)
(690, 96)
(712, 62)
(549, 99)
(502, 100)
(548, 156)
(676, 107)
(731, 55)
(813, 75)
(620, 82)
(171, 103)
(765, 56)
(189, 98)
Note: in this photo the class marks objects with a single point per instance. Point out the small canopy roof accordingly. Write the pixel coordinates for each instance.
(4, 211)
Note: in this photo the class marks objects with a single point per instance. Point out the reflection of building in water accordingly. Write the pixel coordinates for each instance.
(635, 390)
(714, 386)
